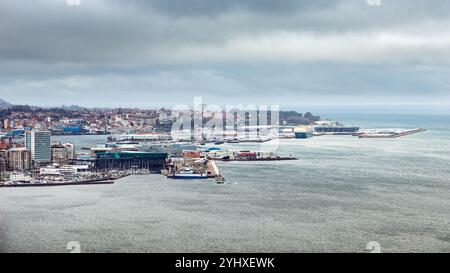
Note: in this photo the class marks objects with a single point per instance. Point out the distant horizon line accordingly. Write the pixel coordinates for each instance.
(314, 108)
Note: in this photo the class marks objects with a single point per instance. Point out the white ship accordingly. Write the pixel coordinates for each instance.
(188, 173)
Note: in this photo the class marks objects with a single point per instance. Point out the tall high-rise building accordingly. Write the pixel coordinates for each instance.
(2, 168)
(2, 165)
(6, 124)
(39, 143)
(3, 158)
(19, 159)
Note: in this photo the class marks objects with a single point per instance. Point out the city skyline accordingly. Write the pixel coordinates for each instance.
(320, 55)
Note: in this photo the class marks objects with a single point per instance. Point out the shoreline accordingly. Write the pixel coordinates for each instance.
(54, 184)
(104, 182)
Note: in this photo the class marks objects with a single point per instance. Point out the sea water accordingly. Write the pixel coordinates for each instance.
(341, 194)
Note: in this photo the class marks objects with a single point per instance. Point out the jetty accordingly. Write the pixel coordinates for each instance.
(198, 166)
(212, 169)
(388, 133)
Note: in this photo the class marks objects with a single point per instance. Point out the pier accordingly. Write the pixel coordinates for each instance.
(247, 156)
(388, 133)
(199, 166)
(213, 170)
(50, 184)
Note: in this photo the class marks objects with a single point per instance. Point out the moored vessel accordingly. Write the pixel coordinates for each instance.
(188, 173)
(303, 131)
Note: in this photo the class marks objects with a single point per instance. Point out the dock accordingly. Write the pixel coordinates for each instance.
(213, 170)
(53, 184)
(198, 166)
(388, 133)
(260, 159)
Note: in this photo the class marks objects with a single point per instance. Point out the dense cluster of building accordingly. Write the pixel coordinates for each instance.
(33, 149)
(26, 146)
(77, 121)
(25, 132)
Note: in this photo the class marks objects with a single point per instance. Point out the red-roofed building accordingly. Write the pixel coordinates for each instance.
(4, 146)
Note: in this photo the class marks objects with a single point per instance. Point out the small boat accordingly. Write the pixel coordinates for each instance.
(201, 161)
(188, 173)
(219, 142)
(220, 179)
(222, 158)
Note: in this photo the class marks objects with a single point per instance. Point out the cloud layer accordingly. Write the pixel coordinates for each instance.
(225, 50)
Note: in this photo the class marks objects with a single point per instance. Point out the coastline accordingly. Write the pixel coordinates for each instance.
(87, 182)
(339, 181)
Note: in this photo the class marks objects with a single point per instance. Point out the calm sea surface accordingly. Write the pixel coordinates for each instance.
(342, 193)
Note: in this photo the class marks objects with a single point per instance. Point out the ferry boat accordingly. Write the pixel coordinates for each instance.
(188, 173)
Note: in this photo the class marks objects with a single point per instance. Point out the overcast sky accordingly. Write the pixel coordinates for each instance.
(312, 55)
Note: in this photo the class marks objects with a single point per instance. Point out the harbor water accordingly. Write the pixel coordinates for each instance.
(342, 193)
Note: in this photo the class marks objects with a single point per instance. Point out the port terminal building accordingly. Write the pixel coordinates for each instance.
(130, 160)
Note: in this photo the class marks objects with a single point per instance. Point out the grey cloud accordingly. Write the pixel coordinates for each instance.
(284, 51)
(284, 85)
(214, 8)
(133, 33)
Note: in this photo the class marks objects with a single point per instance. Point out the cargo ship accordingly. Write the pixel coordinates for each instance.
(334, 128)
(303, 131)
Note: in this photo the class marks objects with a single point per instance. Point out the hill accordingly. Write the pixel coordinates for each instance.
(4, 104)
